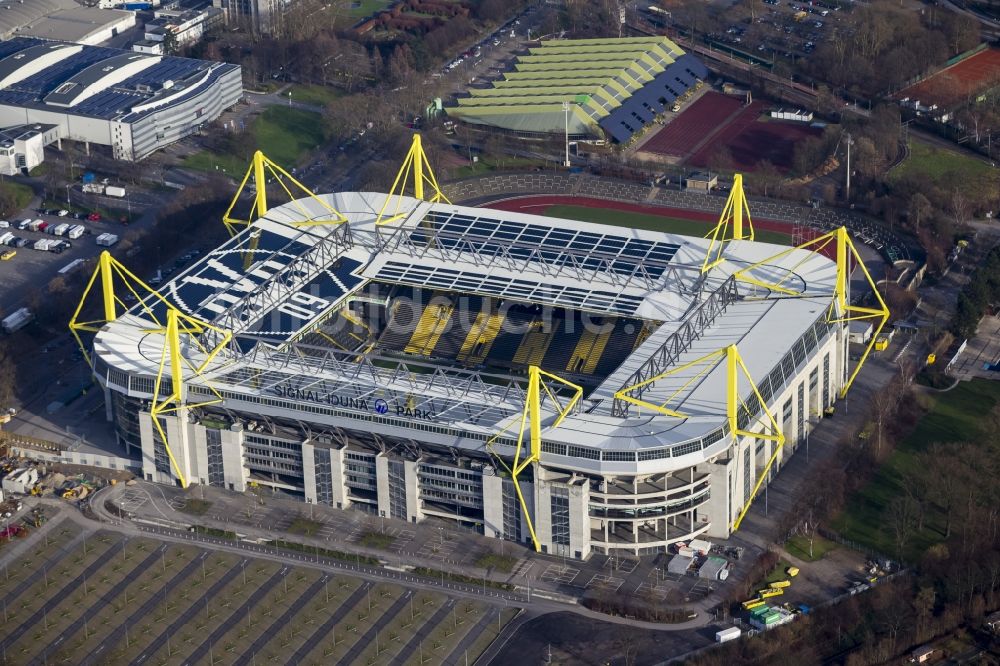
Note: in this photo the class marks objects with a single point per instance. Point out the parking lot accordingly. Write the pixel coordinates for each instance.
(781, 28)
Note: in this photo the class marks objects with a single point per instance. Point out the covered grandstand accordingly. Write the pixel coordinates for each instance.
(613, 87)
(395, 362)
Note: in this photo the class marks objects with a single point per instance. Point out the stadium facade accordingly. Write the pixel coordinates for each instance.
(587, 88)
(132, 102)
(394, 364)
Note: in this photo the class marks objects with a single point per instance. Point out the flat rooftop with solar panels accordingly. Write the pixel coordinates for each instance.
(441, 312)
(132, 101)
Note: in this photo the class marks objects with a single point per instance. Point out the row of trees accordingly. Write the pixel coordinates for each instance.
(949, 497)
(979, 294)
(879, 47)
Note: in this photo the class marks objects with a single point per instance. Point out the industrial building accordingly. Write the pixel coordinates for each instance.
(581, 387)
(261, 16)
(133, 103)
(22, 148)
(586, 88)
(64, 20)
(171, 28)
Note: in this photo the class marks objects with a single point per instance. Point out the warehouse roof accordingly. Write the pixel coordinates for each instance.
(96, 81)
(596, 77)
(63, 20)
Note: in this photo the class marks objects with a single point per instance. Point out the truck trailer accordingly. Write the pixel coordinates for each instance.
(16, 320)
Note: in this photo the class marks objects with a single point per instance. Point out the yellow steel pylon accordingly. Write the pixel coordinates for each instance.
(734, 366)
(178, 323)
(260, 167)
(841, 310)
(415, 161)
(113, 275)
(531, 416)
(732, 221)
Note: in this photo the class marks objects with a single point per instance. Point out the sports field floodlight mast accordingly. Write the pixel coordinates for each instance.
(262, 169)
(531, 418)
(171, 324)
(414, 163)
(731, 225)
(700, 367)
(841, 310)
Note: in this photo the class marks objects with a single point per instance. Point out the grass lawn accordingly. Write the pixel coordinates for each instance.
(282, 133)
(364, 8)
(780, 572)
(651, 222)
(19, 193)
(489, 164)
(799, 547)
(504, 563)
(304, 526)
(955, 416)
(195, 507)
(938, 163)
(376, 540)
(316, 95)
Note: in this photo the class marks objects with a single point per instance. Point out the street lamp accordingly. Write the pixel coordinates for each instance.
(566, 111)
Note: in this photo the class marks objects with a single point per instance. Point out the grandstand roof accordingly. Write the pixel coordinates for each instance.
(272, 283)
(96, 81)
(595, 76)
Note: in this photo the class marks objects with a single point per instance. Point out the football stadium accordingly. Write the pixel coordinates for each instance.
(574, 386)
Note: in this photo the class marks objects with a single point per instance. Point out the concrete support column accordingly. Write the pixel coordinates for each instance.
(338, 477)
(493, 505)
(309, 472)
(382, 484)
(579, 520)
(146, 434)
(198, 446)
(414, 512)
(723, 502)
(234, 471)
(528, 488)
(109, 414)
(542, 509)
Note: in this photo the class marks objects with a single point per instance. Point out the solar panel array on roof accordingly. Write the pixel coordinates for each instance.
(554, 246)
(115, 101)
(653, 98)
(521, 289)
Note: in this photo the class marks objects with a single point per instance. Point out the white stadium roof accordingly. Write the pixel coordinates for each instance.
(243, 285)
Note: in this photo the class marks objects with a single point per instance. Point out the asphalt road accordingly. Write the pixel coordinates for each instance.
(324, 629)
(119, 632)
(237, 616)
(371, 635)
(413, 645)
(283, 621)
(189, 614)
(96, 607)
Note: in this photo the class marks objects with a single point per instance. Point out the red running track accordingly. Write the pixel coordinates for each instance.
(949, 86)
(693, 124)
(746, 117)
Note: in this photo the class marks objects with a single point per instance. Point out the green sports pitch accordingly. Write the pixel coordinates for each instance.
(674, 225)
